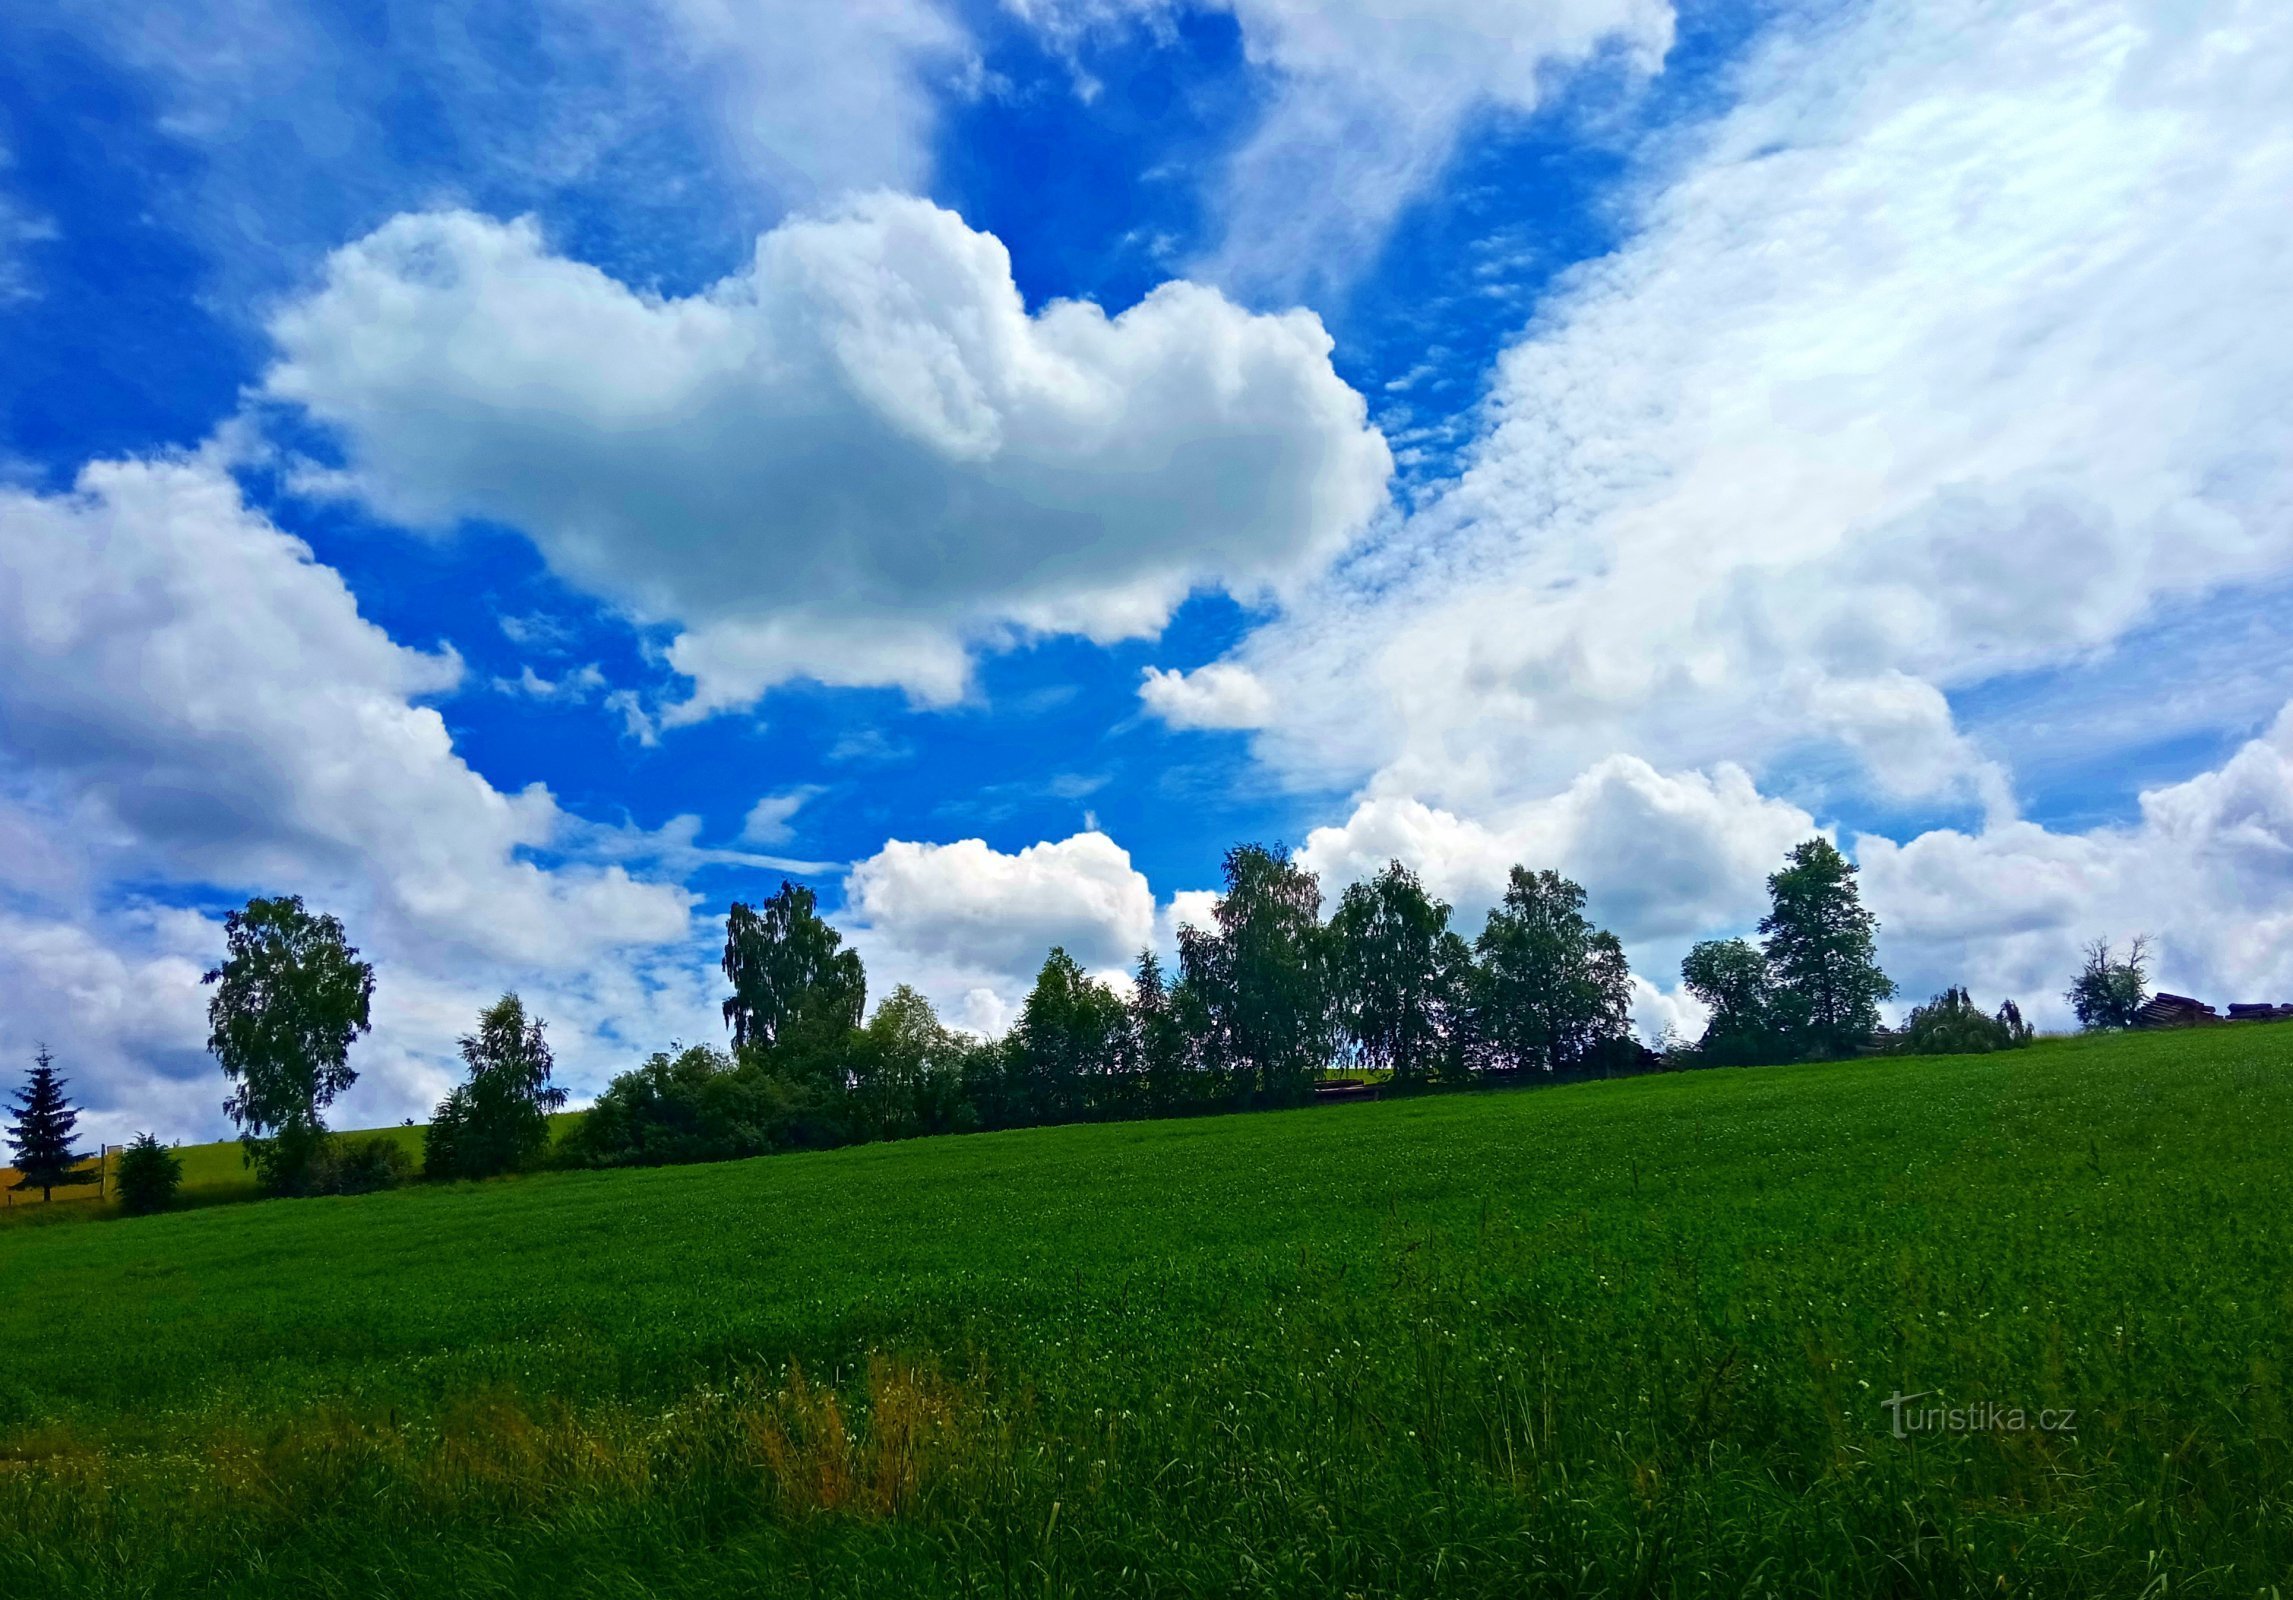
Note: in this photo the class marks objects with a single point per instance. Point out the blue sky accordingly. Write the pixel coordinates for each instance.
(1607, 435)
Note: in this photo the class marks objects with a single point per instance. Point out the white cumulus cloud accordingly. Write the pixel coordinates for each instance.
(977, 907)
(191, 705)
(1220, 695)
(1662, 856)
(852, 460)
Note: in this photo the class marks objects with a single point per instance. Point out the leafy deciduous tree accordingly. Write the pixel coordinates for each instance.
(1069, 1045)
(1951, 1024)
(788, 974)
(1262, 979)
(1158, 1038)
(1821, 948)
(907, 1070)
(499, 1120)
(2107, 991)
(1401, 976)
(1731, 977)
(289, 998)
(1552, 991)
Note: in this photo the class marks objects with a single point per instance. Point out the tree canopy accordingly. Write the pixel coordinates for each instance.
(289, 998)
(1402, 977)
(1262, 977)
(1732, 979)
(1822, 952)
(2109, 990)
(499, 1120)
(1551, 990)
(788, 972)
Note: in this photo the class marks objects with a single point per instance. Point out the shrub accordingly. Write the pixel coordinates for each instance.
(1951, 1024)
(361, 1166)
(147, 1176)
(699, 1105)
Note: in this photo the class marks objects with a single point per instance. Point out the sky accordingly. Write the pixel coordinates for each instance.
(524, 476)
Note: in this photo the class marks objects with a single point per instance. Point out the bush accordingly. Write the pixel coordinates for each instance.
(147, 1176)
(361, 1166)
(699, 1105)
(1951, 1024)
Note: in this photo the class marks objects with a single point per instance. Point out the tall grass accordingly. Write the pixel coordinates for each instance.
(1629, 1338)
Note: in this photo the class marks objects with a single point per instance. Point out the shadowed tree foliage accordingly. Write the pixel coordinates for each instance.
(2107, 991)
(1165, 1023)
(1402, 978)
(146, 1176)
(788, 973)
(699, 1104)
(43, 1131)
(1821, 949)
(1070, 1047)
(907, 1070)
(1552, 991)
(1731, 977)
(1951, 1024)
(499, 1120)
(289, 997)
(1262, 979)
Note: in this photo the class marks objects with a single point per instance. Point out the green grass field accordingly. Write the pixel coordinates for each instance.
(1624, 1338)
(213, 1174)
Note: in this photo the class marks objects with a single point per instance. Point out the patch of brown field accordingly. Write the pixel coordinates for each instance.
(816, 1462)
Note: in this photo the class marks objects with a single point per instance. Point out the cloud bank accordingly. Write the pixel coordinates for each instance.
(850, 462)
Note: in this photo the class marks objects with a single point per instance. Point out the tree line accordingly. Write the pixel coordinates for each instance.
(1266, 1003)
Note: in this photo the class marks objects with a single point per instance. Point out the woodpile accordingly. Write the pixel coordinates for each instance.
(2175, 1011)
(2180, 1011)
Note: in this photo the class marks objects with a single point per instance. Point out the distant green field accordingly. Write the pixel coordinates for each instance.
(214, 1173)
(1614, 1339)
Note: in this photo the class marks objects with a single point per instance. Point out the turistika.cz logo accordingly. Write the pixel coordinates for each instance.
(1981, 1416)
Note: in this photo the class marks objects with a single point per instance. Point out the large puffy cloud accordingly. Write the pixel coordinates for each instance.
(2206, 871)
(192, 707)
(970, 925)
(1662, 856)
(849, 461)
(1001, 911)
(1954, 350)
(208, 696)
(1366, 100)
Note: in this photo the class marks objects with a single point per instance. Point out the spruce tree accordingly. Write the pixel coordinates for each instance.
(42, 1134)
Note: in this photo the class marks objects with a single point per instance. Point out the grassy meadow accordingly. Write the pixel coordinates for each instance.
(213, 1174)
(1608, 1339)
